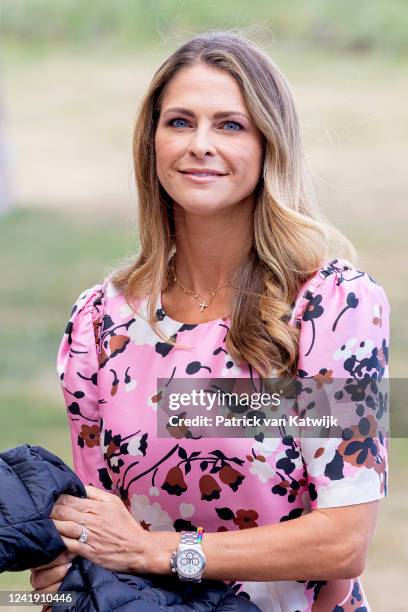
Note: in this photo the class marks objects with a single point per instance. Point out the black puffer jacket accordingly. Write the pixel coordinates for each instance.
(31, 480)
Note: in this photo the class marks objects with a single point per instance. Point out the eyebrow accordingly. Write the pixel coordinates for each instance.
(219, 115)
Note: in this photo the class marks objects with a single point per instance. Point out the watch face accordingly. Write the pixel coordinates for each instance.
(189, 562)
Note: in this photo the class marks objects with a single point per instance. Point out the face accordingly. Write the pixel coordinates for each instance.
(208, 150)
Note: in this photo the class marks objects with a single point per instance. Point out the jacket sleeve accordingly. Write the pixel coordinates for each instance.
(77, 367)
(343, 350)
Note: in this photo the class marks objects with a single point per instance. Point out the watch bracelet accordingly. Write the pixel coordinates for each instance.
(187, 538)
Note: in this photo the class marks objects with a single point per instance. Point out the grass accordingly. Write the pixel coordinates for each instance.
(49, 259)
(338, 25)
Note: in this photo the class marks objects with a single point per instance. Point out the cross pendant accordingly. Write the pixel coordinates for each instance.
(203, 305)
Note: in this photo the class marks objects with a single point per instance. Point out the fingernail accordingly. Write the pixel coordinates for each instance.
(69, 565)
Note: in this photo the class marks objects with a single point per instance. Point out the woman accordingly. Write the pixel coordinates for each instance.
(238, 276)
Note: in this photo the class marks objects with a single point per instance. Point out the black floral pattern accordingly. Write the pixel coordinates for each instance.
(183, 481)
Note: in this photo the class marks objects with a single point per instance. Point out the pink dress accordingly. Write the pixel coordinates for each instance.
(109, 360)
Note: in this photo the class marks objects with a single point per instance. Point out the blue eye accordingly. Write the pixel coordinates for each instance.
(236, 127)
(172, 122)
(234, 123)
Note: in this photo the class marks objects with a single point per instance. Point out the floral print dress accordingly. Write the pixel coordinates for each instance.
(108, 362)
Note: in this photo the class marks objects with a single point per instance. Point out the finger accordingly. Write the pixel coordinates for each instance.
(64, 498)
(79, 503)
(78, 548)
(52, 588)
(42, 579)
(70, 529)
(66, 513)
(64, 557)
(95, 493)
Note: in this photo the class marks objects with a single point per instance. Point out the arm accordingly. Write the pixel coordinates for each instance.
(77, 366)
(325, 544)
(321, 545)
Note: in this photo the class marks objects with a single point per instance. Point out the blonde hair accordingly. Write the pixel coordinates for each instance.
(292, 238)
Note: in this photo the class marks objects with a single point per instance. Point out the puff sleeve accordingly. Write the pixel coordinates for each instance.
(344, 348)
(77, 367)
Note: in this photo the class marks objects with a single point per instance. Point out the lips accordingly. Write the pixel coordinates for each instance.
(202, 178)
(202, 172)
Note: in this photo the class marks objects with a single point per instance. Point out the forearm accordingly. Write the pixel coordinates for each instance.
(306, 548)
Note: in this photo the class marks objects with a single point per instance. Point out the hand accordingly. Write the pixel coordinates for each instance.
(115, 540)
(48, 578)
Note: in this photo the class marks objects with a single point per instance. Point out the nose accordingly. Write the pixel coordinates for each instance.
(201, 142)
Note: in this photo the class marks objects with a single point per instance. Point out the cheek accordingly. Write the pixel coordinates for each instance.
(166, 161)
(167, 149)
(255, 153)
(161, 153)
(165, 157)
(248, 161)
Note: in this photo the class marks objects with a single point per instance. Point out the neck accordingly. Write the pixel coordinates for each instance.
(209, 249)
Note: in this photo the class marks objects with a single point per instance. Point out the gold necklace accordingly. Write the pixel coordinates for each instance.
(194, 294)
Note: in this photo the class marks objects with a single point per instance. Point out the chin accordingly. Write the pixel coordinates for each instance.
(193, 201)
(204, 207)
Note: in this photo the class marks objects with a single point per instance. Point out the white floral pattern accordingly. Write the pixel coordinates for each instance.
(151, 516)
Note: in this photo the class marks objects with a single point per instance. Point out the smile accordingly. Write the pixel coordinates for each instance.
(202, 177)
(203, 173)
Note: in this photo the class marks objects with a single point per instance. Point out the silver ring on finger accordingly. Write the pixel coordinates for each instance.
(84, 535)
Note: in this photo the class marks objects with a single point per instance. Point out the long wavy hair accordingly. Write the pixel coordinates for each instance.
(291, 237)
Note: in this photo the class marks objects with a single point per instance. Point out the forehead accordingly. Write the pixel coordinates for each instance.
(203, 86)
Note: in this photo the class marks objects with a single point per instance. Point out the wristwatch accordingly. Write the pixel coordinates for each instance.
(188, 561)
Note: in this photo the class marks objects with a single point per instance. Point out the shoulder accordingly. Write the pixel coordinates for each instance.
(81, 336)
(92, 302)
(343, 315)
(87, 302)
(336, 285)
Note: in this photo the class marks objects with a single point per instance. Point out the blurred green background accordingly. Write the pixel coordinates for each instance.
(71, 76)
